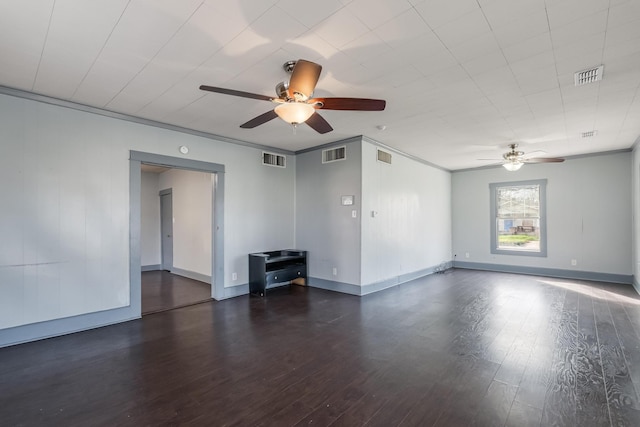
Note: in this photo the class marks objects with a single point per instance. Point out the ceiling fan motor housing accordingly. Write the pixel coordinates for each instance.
(288, 66)
(282, 90)
(513, 155)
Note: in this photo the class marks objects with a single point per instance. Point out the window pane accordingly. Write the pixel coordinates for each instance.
(518, 202)
(518, 218)
(519, 234)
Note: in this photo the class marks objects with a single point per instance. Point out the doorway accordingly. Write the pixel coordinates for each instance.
(176, 218)
(216, 279)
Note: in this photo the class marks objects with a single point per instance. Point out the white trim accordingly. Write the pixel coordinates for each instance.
(547, 272)
(126, 117)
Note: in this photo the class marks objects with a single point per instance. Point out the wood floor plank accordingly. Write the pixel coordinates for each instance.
(591, 394)
(522, 415)
(331, 409)
(517, 355)
(285, 402)
(162, 290)
(362, 411)
(622, 398)
(496, 404)
(533, 386)
(461, 348)
(469, 379)
(395, 410)
(560, 400)
(630, 344)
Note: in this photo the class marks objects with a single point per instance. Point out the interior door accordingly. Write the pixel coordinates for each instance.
(166, 227)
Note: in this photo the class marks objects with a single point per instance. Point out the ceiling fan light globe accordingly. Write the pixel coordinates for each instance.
(512, 166)
(294, 112)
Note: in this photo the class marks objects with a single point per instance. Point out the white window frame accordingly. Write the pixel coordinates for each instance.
(542, 183)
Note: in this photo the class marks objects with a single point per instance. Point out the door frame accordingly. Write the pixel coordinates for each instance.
(166, 192)
(217, 221)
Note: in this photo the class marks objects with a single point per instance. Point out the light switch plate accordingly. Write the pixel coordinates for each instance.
(347, 200)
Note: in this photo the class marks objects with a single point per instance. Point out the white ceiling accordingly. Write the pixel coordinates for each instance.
(462, 78)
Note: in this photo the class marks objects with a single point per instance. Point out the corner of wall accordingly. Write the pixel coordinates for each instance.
(323, 225)
(635, 211)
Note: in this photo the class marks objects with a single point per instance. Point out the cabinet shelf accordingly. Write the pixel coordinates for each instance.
(269, 268)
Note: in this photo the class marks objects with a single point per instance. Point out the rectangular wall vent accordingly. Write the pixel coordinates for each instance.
(588, 76)
(383, 156)
(334, 154)
(589, 134)
(272, 159)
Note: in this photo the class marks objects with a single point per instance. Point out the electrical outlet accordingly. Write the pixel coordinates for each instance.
(574, 262)
(234, 276)
(335, 271)
(466, 254)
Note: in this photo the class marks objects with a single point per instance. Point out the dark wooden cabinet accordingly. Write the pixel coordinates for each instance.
(269, 268)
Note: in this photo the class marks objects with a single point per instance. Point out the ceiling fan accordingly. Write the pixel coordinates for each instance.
(514, 159)
(295, 104)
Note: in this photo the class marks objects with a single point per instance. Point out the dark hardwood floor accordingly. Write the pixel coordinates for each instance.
(162, 291)
(462, 348)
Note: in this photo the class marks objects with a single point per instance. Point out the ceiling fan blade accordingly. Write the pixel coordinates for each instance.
(318, 123)
(236, 93)
(353, 104)
(261, 119)
(543, 160)
(304, 78)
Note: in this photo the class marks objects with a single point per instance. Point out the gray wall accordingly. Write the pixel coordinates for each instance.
(409, 236)
(65, 216)
(411, 230)
(588, 214)
(324, 226)
(635, 176)
(191, 199)
(150, 250)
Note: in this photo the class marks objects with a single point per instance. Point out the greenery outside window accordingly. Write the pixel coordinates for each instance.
(518, 218)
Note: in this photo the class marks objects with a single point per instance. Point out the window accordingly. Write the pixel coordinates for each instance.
(518, 218)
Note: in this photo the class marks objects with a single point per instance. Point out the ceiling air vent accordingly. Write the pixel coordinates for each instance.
(588, 76)
(334, 154)
(383, 156)
(272, 159)
(589, 134)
